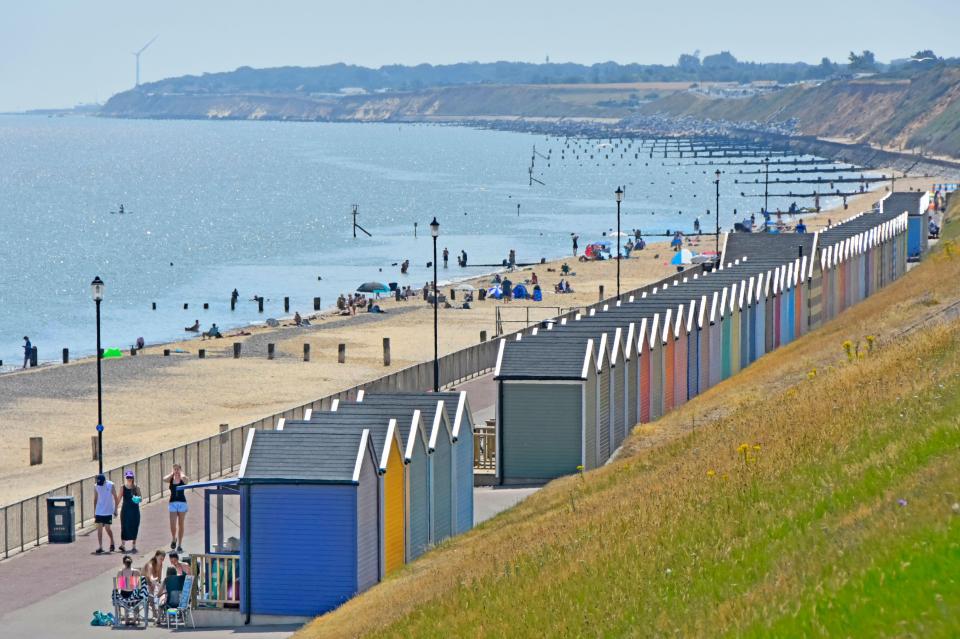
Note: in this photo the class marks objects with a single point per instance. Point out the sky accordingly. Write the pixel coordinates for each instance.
(57, 53)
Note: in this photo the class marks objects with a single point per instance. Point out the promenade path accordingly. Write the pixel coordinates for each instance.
(52, 590)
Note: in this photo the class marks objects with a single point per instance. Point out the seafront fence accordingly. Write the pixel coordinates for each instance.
(23, 524)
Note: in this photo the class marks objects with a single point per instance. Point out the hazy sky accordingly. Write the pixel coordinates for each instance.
(58, 53)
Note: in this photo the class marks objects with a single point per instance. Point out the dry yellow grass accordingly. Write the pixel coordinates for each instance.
(779, 515)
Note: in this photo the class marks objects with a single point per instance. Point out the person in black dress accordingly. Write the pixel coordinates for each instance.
(129, 512)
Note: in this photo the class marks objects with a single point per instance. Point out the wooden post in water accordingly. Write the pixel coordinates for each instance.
(66, 356)
(93, 447)
(286, 304)
(33, 357)
(386, 351)
(341, 353)
(270, 350)
(185, 306)
(236, 350)
(206, 306)
(36, 451)
(153, 306)
(260, 303)
(316, 303)
(306, 352)
(202, 353)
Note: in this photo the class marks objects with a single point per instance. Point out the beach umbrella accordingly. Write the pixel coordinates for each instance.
(373, 287)
(683, 256)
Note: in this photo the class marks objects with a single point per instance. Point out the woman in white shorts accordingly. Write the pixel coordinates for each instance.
(178, 507)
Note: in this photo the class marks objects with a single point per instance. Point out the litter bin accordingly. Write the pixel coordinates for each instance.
(60, 520)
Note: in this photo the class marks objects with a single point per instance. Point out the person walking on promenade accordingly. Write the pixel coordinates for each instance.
(446, 256)
(27, 351)
(178, 507)
(105, 501)
(129, 512)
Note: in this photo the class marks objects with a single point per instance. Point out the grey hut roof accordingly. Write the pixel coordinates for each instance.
(404, 403)
(900, 201)
(783, 246)
(376, 420)
(308, 457)
(855, 225)
(533, 358)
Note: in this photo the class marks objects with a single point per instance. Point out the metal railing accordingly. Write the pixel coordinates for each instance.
(217, 581)
(485, 446)
(23, 524)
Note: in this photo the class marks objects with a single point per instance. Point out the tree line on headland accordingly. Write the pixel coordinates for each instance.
(719, 67)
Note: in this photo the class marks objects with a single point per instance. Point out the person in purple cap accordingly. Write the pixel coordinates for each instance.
(130, 512)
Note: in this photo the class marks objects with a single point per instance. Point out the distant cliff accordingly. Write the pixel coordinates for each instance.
(920, 113)
(474, 101)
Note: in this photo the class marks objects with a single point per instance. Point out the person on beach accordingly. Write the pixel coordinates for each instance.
(125, 577)
(27, 351)
(105, 502)
(130, 512)
(696, 225)
(446, 256)
(195, 328)
(297, 320)
(801, 227)
(565, 269)
(463, 259)
(178, 507)
(575, 245)
(404, 267)
(152, 571)
(534, 280)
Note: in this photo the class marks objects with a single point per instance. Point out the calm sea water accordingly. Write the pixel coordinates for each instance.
(265, 207)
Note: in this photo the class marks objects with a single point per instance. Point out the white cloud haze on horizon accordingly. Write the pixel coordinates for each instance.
(58, 53)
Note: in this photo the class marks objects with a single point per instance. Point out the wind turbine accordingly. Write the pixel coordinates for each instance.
(137, 56)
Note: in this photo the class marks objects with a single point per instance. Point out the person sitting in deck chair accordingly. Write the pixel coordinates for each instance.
(213, 333)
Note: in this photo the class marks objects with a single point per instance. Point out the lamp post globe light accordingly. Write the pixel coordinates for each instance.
(435, 232)
(717, 236)
(96, 291)
(619, 195)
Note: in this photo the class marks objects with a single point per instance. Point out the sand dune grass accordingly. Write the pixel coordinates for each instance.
(803, 504)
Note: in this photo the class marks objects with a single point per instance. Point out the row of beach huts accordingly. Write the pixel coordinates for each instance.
(331, 504)
(569, 392)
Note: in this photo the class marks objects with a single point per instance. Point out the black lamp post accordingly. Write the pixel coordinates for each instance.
(717, 236)
(619, 194)
(96, 290)
(435, 232)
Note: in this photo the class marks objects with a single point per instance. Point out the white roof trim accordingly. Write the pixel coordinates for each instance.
(308, 413)
(816, 239)
(334, 405)
(654, 333)
(360, 395)
(723, 302)
(458, 420)
(358, 465)
(496, 369)
(678, 322)
(713, 306)
(691, 315)
(750, 297)
(281, 423)
(618, 350)
(246, 453)
(703, 311)
(435, 428)
(586, 359)
(535, 330)
(412, 436)
(743, 291)
(391, 437)
(643, 295)
(665, 331)
(603, 348)
(733, 296)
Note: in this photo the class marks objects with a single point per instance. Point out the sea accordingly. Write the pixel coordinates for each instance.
(266, 208)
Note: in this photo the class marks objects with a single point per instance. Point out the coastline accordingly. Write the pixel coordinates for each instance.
(152, 402)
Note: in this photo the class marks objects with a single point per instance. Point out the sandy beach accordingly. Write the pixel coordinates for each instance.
(152, 402)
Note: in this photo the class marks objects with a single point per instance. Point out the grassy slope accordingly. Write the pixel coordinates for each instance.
(802, 534)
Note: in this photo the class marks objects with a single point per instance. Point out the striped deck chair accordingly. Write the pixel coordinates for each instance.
(131, 595)
(179, 614)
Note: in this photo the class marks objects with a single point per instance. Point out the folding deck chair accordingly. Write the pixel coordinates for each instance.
(136, 601)
(179, 614)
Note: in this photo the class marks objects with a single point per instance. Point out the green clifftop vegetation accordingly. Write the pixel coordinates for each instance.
(813, 494)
